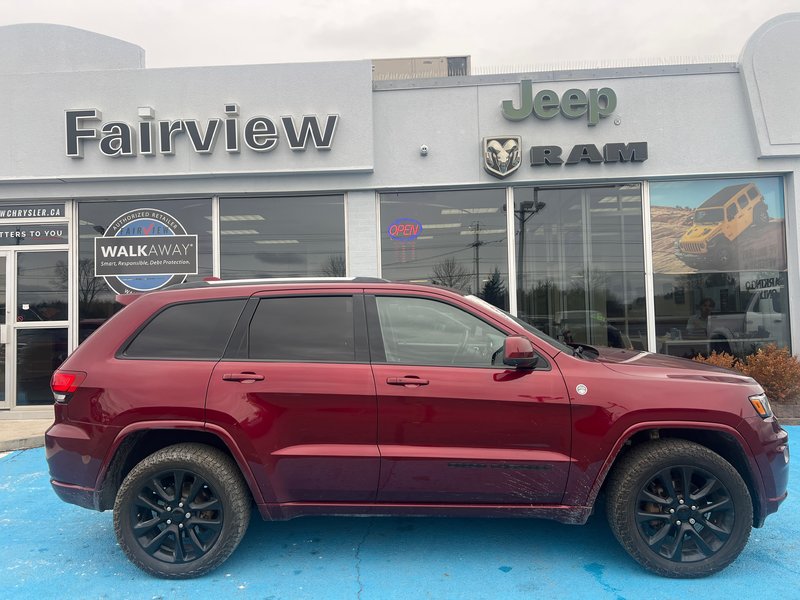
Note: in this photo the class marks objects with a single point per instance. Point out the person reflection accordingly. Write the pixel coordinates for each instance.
(697, 325)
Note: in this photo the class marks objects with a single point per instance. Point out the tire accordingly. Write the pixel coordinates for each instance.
(187, 534)
(671, 533)
(724, 255)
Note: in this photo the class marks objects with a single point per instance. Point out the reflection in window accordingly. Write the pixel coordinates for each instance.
(282, 237)
(452, 238)
(39, 353)
(720, 283)
(41, 286)
(580, 263)
(417, 331)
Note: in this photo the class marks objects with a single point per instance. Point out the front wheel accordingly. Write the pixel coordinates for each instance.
(678, 508)
(182, 511)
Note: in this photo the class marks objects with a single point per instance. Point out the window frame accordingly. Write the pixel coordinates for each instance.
(376, 341)
(120, 354)
(239, 351)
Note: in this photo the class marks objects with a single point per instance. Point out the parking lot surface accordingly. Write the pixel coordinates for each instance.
(52, 549)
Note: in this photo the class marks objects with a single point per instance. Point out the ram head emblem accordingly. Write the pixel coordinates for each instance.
(501, 155)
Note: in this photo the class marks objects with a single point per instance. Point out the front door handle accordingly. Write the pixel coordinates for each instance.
(409, 380)
(242, 377)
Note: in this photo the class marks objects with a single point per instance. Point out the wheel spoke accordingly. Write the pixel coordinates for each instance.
(142, 526)
(704, 491)
(178, 477)
(195, 488)
(644, 516)
(716, 506)
(665, 477)
(650, 497)
(146, 502)
(686, 481)
(655, 540)
(721, 533)
(160, 490)
(701, 543)
(210, 504)
(180, 553)
(677, 546)
(195, 541)
(154, 545)
(213, 524)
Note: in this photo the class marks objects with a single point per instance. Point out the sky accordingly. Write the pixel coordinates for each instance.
(498, 35)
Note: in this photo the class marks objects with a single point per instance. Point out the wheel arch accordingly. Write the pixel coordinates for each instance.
(723, 440)
(135, 442)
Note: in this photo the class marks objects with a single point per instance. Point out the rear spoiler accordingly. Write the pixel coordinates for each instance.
(126, 299)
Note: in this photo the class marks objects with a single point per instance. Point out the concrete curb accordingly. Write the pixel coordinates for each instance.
(25, 443)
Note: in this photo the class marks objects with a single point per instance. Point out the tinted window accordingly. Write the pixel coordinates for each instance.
(417, 331)
(196, 330)
(731, 211)
(318, 328)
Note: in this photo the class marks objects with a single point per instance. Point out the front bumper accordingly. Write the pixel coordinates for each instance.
(769, 444)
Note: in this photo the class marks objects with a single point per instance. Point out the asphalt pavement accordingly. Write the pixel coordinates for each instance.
(56, 550)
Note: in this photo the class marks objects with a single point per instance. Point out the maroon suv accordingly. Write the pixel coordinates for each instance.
(366, 397)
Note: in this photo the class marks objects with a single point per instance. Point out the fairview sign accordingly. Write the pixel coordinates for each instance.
(149, 136)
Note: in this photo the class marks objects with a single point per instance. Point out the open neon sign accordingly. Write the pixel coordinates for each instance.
(404, 230)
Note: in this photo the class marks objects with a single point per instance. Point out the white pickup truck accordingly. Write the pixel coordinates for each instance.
(764, 322)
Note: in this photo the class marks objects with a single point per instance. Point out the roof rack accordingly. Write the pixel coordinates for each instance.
(274, 280)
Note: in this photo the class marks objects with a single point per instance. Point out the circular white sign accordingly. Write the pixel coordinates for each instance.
(581, 389)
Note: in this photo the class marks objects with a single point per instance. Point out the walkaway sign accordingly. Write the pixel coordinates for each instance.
(144, 250)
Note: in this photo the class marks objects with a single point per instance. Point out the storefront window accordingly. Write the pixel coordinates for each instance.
(580, 263)
(138, 246)
(719, 262)
(282, 237)
(457, 239)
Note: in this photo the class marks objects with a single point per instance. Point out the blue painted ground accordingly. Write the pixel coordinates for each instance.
(55, 550)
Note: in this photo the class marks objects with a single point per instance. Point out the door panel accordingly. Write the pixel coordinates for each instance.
(472, 435)
(297, 393)
(467, 430)
(311, 426)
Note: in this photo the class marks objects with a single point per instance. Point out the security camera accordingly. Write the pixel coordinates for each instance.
(423, 150)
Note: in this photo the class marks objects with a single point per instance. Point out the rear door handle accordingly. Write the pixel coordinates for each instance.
(242, 377)
(409, 380)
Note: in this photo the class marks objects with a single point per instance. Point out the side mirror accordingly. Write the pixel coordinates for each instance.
(518, 352)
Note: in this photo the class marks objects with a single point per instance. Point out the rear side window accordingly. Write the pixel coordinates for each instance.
(193, 331)
(311, 328)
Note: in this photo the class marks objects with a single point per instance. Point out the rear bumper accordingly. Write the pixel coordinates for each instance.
(75, 494)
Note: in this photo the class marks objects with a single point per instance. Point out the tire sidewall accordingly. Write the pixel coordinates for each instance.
(742, 506)
(161, 462)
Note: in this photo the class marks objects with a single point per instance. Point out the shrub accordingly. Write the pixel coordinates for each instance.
(777, 371)
(723, 359)
(774, 368)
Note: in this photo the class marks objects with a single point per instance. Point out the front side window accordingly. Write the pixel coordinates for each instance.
(719, 291)
(297, 329)
(190, 331)
(418, 331)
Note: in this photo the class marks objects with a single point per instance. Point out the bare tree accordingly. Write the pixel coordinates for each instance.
(451, 274)
(335, 266)
(88, 285)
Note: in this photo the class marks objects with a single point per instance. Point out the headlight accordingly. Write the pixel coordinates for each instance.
(761, 403)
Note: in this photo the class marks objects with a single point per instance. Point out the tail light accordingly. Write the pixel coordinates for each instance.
(64, 383)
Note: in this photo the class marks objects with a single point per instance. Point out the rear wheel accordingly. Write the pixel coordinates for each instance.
(678, 508)
(182, 511)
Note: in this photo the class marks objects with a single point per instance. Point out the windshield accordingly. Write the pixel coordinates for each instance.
(528, 327)
(708, 215)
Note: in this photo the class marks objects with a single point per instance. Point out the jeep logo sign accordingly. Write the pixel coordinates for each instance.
(574, 104)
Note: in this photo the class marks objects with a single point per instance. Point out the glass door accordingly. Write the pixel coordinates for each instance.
(40, 328)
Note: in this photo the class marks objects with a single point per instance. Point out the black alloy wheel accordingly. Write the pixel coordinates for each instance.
(182, 511)
(678, 508)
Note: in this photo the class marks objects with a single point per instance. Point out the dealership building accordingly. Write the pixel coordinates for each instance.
(648, 207)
